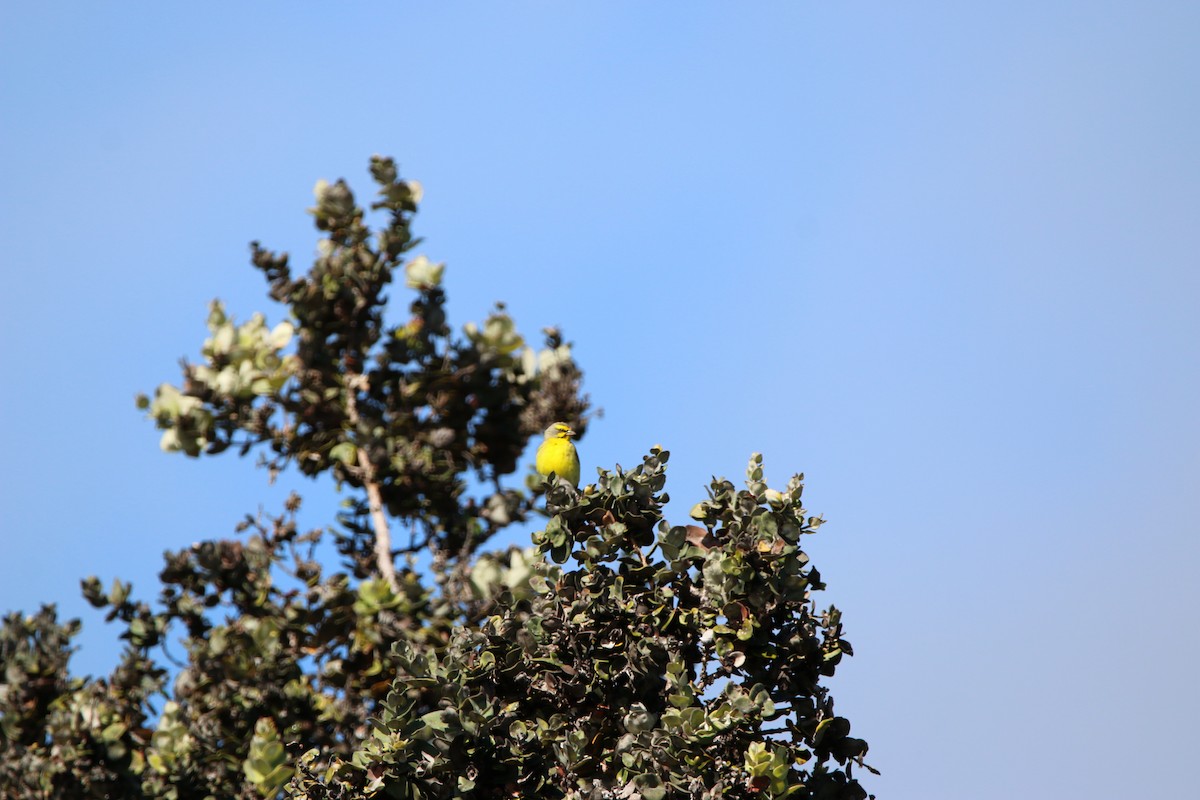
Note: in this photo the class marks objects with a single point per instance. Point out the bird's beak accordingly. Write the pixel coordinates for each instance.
(571, 434)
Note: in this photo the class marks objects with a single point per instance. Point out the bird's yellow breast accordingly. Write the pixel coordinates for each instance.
(559, 456)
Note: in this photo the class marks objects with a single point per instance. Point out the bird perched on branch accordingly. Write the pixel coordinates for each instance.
(558, 455)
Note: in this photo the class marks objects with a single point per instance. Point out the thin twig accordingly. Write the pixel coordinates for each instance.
(383, 536)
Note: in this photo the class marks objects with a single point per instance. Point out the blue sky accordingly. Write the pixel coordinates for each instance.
(940, 258)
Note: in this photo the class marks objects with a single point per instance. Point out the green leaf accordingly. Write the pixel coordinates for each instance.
(344, 452)
(435, 720)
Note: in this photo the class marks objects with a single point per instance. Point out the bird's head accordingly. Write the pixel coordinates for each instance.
(559, 430)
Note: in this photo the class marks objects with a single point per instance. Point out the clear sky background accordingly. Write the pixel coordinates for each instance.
(941, 257)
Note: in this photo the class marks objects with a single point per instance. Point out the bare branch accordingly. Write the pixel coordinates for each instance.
(383, 536)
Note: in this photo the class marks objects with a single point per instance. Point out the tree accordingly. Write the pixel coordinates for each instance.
(618, 656)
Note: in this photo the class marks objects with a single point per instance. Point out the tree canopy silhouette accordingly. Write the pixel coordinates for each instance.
(619, 655)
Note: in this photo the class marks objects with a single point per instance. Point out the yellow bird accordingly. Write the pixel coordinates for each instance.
(558, 455)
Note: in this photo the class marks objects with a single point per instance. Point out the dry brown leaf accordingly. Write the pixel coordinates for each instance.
(700, 537)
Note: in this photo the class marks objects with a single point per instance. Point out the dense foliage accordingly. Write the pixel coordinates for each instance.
(619, 656)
